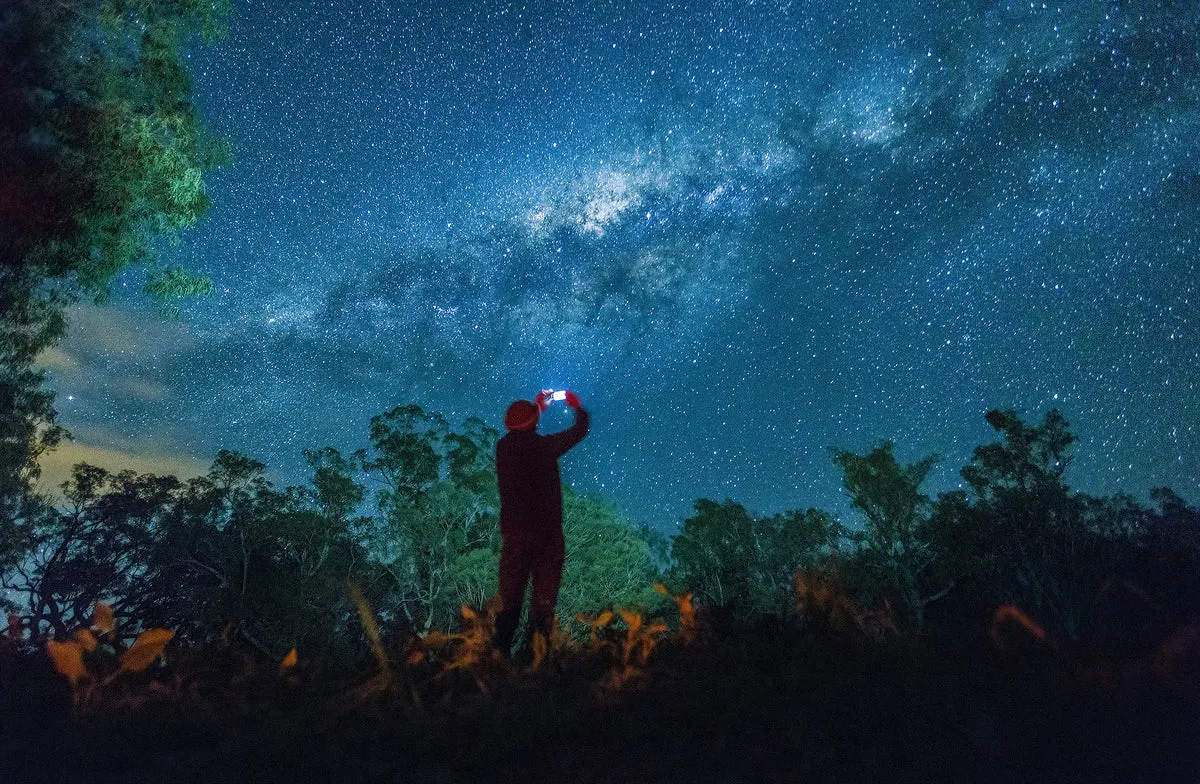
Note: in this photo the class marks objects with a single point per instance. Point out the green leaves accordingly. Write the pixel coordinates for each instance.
(729, 557)
(887, 493)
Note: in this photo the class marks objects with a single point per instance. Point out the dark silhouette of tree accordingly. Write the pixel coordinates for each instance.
(1021, 532)
(731, 559)
(1170, 536)
(225, 548)
(894, 550)
(102, 154)
(715, 555)
(98, 548)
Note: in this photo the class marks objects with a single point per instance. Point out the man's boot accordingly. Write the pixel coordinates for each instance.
(506, 627)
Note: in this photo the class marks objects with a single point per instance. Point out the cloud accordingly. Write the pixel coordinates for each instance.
(56, 465)
(114, 359)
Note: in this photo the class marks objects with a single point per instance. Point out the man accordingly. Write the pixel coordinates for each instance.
(531, 514)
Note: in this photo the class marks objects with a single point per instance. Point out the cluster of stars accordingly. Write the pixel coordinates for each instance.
(742, 232)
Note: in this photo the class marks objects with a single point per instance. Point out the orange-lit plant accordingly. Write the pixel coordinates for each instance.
(466, 651)
(687, 613)
(382, 680)
(96, 656)
(820, 598)
(630, 652)
(1009, 614)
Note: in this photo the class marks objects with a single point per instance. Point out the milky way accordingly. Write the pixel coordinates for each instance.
(743, 232)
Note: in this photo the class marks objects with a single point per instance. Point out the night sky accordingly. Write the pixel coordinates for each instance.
(741, 231)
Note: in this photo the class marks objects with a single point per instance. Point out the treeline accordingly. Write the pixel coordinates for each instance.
(413, 521)
(1089, 570)
(231, 554)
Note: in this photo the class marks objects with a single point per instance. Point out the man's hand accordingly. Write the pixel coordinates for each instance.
(542, 399)
(573, 400)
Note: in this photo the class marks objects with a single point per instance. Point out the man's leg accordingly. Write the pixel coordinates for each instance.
(515, 564)
(547, 577)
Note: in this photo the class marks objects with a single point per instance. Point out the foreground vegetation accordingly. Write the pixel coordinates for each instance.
(824, 692)
(1014, 631)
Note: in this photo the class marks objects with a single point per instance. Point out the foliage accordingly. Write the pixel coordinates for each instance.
(729, 558)
(226, 548)
(894, 550)
(436, 535)
(103, 153)
(607, 563)
(105, 148)
(96, 656)
(1022, 534)
(229, 554)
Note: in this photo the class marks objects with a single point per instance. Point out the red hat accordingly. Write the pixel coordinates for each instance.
(521, 415)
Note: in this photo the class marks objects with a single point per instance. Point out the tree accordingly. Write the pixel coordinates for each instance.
(791, 542)
(729, 558)
(223, 549)
(895, 550)
(98, 548)
(437, 507)
(1021, 532)
(715, 555)
(1170, 536)
(608, 563)
(103, 153)
(104, 148)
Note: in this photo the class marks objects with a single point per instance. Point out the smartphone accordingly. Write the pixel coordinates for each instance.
(559, 395)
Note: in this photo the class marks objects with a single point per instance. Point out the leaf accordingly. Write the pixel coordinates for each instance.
(145, 649)
(289, 661)
(105, 620)
(541, 647)
(68, 659)
(662, 589)
(86, 640)
(632, 619)
(469, 614)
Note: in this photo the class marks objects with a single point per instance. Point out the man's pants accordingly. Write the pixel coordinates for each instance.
(523, 555)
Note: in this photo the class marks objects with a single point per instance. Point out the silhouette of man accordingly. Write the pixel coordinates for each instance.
(531, 514)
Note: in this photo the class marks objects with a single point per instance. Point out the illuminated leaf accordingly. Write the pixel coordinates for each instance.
(469, 614)
(632, 619)
(86, 640)
(372, 629)
(105, 620)
(662, 589)
(145, 649)
(68, 660)
(541, 647)
(1010, 612)
(604, 618)
(289, 661)
(436, 639)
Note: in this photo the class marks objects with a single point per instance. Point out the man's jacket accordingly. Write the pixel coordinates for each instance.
(527, 473)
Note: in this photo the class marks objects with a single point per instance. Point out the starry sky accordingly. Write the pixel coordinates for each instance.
(741, 231)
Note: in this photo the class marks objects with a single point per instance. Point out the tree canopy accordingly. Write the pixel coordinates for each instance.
(104, 154)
